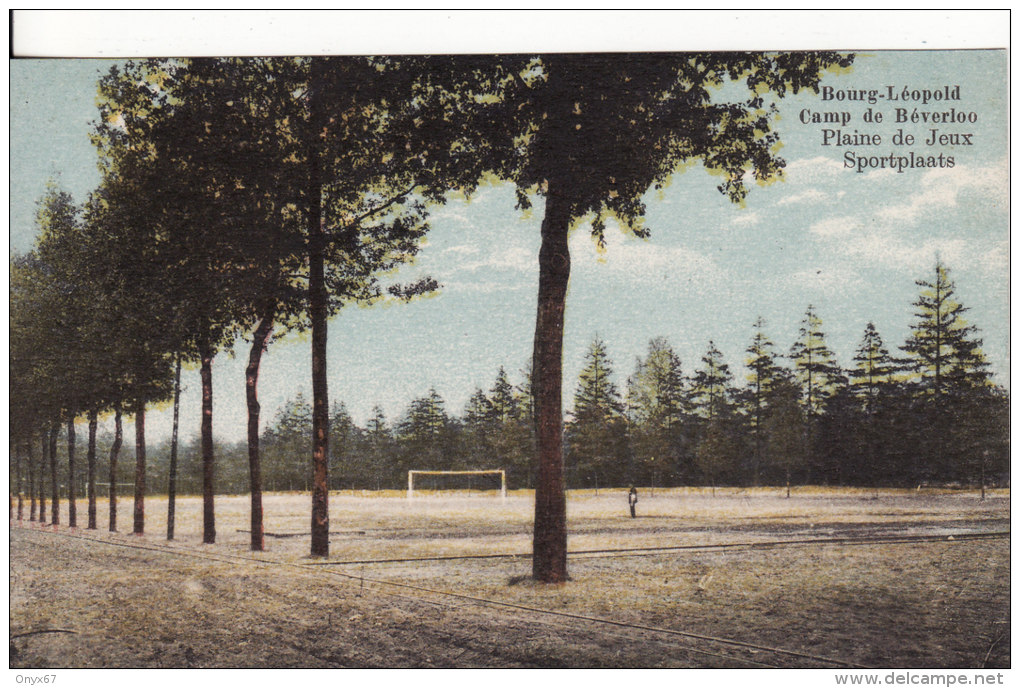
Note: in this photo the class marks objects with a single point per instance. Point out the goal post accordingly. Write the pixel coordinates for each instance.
(101, 486)
(500, 472)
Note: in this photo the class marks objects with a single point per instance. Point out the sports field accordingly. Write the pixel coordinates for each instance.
(738, 578)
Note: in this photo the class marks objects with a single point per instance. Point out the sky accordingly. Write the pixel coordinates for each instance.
(851, 244)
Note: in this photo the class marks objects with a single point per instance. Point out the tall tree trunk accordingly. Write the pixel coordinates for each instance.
(31, 481)
(42, 480)
(93, 425)
(118, 438)
(72, 493)
(54, 483)
(171, 489)
(208, 513)
(251, 376)
(139, 510)
(18, 482)
(318, 310)
(984, 465)
(549, 561)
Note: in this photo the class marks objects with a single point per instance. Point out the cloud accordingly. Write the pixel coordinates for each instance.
(462, 250)
(883, 248)
(487, 286)
(745, 219)
(807, 196)
(825, 280)
(813, 169)
(942, 189)
(512, 258)
(635, 259)
(996, 260)
(887, 235)
(834, 227)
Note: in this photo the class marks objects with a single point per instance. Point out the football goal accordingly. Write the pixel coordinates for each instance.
(103, 489)
(457, 480)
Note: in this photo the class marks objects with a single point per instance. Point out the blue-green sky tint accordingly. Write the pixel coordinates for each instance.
(851, 244)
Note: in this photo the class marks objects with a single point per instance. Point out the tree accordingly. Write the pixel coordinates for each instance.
(424, 432)
(511, 429)
(948, 374)
(345, 440)
(381, 138)
(479, 425)
(814, 365)
(150, 272)
(763, 374)
(784, 429)
(597, 431)
(172, 473)
(874, 393)
(712, 406)
(34, 402)
(710, 387)
(504, 403)
(715, 451)
(873, 369)
(380, 445)
(285, 445)
(247, 152)
(592, 134)
(817, 372)
(58, 220)
(656, 407)
(945, 356)
(118, 435)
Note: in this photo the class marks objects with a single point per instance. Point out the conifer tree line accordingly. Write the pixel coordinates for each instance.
(927, 414)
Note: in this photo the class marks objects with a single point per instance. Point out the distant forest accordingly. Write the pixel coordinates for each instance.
(928, 414)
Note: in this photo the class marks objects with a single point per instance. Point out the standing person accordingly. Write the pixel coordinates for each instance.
(632, 500)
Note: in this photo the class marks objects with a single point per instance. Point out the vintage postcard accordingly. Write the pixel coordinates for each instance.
(674, 355)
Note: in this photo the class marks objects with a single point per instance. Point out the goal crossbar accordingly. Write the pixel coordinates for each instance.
(500, 472)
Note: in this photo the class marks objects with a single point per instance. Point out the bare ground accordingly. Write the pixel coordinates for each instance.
(96, 599)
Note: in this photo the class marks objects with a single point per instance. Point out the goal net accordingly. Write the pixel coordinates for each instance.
(459, 481)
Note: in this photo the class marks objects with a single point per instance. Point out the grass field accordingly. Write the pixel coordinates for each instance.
(865, 578)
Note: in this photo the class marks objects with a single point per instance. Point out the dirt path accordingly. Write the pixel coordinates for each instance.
(941, 601)
(139, 608)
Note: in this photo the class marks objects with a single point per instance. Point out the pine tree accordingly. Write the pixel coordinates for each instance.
(285, 445)
(504, 404)
(656, 409)
(379, 464)
(949, 377)
(712, 403)
(424, 434)
(785, 440)
(873, 392)
(479, 427)
(763, 374)
(478, 411)
(596, 430)
(874, 368)
(944, 355)
(815, 365)
(710, 386)
(820, 378)
(344, 436)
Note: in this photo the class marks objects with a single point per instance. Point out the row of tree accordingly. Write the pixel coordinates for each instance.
(930, 415)
(245, 197)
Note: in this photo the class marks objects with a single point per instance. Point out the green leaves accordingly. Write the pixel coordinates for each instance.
(609, 127)
(944, 354)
